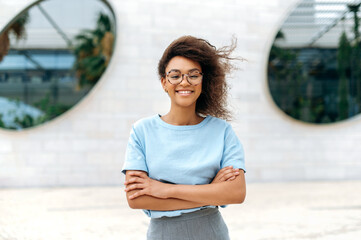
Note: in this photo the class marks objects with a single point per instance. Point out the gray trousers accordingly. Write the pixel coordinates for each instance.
(205, 224)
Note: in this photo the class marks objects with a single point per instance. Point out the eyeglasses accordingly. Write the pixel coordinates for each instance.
(175, 77)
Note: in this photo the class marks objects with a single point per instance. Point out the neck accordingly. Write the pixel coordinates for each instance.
(182, 116)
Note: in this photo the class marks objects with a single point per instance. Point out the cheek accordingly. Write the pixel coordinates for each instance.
(199, 92)
(199, 88)
(170, 87)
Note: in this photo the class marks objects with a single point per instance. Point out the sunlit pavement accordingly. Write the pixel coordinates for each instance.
(272, 211)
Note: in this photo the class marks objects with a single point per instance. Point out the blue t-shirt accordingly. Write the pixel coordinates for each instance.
(186, 154)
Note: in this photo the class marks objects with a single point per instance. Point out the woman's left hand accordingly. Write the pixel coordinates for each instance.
(146, 186)
(226, 174)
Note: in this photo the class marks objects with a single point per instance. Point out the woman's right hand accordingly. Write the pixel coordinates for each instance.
(226, 174)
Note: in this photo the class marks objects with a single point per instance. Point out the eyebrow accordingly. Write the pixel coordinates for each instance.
(188, 70)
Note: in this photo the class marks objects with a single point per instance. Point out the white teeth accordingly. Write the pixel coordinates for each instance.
(185, 92)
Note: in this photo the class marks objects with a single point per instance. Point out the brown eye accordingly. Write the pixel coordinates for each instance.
(174, 76)
(195, 75)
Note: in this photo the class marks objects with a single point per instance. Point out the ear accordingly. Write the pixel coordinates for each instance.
(163, 81)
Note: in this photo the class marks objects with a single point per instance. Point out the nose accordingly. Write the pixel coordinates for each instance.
(184, 77)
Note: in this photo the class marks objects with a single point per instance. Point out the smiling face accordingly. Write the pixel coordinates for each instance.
(184, 94)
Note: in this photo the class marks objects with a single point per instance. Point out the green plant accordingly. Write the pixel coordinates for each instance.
(285, 70)
(93, 51)
(343, 65)
(2, 124)
(50, 109)
(356, 54)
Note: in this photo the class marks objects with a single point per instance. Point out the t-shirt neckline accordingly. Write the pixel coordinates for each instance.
(182, 127)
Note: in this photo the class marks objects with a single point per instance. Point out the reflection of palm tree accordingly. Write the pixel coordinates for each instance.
(356, 53)
(343, 65)
(18, 29)
(93, 51)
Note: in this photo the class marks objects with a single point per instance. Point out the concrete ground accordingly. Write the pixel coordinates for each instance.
(272, 211)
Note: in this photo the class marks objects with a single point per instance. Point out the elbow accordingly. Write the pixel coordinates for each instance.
(242, 198)
(136, 203)
(240, 192)
(133, 203)
(239, 197)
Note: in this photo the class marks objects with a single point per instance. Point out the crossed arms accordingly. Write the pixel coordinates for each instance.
(228, 187)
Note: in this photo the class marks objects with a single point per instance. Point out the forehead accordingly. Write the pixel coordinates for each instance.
(182, 64)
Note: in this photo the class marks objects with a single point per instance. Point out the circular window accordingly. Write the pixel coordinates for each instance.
(51, 55)
(314, 66)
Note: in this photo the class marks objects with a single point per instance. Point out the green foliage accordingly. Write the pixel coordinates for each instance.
(50, 109)
(285, 70)
(343, 65)
(2, 124)
(299, 88)
(356, 54)
(91, 51)
(343, 55)
(26, 122)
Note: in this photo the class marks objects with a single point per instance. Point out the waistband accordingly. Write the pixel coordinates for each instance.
(187, 216)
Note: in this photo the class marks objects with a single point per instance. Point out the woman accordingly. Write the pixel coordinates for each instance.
(181, 166)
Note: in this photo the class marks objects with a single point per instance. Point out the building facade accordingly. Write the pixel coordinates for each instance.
(86, 145)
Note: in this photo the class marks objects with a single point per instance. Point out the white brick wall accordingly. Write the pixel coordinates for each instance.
(86, 145)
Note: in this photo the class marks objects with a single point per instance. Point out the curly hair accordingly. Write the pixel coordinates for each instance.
(215, 65)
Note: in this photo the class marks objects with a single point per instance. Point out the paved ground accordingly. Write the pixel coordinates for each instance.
(272, 211)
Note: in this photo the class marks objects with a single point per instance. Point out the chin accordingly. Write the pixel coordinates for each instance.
(185, 104)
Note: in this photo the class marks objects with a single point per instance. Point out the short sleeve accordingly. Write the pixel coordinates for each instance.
(135, 154)
(233, 154)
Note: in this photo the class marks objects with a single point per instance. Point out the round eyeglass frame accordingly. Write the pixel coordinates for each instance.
(187, 77)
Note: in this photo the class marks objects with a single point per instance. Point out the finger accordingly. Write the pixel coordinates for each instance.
(134, 180)
(133, 187)
(225, 169)
(138, 173)
(230, 174)
(225, 173)
(233, 174)
(228, 167)
(137, 194)
(230, 179)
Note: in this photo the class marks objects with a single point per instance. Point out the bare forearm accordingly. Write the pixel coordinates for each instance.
(146, 193)
(159, 204)
(229, 192)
